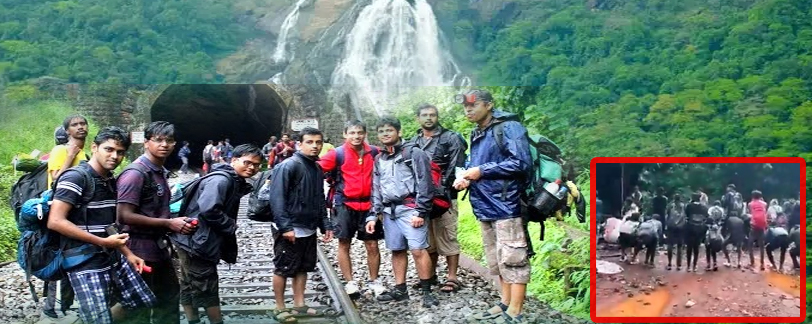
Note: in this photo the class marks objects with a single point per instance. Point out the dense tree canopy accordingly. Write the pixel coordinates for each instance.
(116, 41)
(650, 78)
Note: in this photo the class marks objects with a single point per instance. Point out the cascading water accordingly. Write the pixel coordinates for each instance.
(288, 24)
(394, 46)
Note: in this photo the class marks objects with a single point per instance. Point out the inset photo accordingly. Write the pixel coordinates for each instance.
(698, 240)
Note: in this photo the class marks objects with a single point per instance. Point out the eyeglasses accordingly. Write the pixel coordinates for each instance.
(247, 163)
(164, 140)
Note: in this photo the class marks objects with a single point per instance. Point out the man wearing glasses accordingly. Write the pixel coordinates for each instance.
(214, 205)
(143, 207)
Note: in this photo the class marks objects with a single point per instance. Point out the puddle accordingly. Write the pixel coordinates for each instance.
(788, 284)
(641, 305)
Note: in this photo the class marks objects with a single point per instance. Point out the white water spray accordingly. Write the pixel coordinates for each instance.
(288, 24)
(393, 47)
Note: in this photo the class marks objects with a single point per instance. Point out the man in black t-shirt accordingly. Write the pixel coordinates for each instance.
(110, 266)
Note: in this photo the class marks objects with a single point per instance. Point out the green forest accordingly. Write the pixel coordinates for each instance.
(117, 41)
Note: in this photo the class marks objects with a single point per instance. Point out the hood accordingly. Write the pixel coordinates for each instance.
(224, 167)
(502, 115)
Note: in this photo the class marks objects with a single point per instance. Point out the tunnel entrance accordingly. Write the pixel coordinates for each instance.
(243, 113)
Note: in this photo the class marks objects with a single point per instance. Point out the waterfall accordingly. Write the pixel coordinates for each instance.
(288, 24)
(393, 47)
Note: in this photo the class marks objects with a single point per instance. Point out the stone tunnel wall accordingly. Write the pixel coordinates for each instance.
(129, 106)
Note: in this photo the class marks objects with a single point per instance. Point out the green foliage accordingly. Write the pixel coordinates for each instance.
(117, 41)
(612, 78)
(8, 228)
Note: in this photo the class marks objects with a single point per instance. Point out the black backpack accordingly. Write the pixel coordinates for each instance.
(260, 210)
(676, 215)
(30, 185)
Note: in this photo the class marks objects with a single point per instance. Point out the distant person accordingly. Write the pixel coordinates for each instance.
(675, 224)
(326, 147)
(695, 229)
(208, 156)
(227, 150)
(647, 236)
(758, 225)
(637, 196)
(266, 150)
(659, 206)
(184, 157)
(628, 236)
(736, 236)
(283, 150)
(777, 237)
(795, 250)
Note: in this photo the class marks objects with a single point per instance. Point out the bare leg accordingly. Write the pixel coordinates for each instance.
(373, 258)
(344, 262)
(279, 284)
(453, 262)
(299, 282)
(399, 264)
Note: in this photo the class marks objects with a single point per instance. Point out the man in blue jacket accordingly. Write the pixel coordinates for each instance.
(496, 177)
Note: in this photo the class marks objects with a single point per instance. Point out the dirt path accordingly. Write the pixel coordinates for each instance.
(643, 292)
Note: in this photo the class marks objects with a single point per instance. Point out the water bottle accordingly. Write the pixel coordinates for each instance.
(553, 187)
(265, 191)
(562, 192)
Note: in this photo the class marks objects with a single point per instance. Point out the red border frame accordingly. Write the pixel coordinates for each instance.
(593, 272)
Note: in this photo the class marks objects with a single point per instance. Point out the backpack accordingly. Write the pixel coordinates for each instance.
(29, 186)
(440, 202)
(676, 215)
(698, 218)
(736, 203)
(335, 179)
(547, 167)
(39, 250)
(149, 189)
(260, 210)
(716, 213)
(183, 192)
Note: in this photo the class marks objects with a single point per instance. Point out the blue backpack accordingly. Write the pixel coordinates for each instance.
(39, 250)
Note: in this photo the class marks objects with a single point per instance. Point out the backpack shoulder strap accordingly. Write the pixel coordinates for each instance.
(144, 171)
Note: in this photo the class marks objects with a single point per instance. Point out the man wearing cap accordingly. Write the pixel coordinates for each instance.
(495, 179)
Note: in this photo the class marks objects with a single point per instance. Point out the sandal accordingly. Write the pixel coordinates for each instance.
(491, 313)
(451, 285)
(284, 316)
(305, 311)
(507, 319)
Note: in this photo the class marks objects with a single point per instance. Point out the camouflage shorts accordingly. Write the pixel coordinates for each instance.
(506, 249)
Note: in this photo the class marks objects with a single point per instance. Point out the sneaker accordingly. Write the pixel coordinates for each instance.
(50, 313)
(351, 288)
(376, 287)
(429, 300)
(393, 295)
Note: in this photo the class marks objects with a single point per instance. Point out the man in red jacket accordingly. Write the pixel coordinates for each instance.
(349, 169)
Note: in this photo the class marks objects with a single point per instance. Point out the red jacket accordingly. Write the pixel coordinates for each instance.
(356, 176)
(758, 213)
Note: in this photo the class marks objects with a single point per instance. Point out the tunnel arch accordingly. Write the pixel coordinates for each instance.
(243, 113)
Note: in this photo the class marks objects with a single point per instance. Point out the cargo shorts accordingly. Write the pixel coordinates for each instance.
(506, 249)
(443, 233)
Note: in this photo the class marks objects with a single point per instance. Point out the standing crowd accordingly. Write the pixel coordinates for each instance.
(394, 192)
(729, 221)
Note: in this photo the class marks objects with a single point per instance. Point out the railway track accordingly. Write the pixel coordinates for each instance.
(246, 288)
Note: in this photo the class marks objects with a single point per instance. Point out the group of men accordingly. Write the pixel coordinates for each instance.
(379, 193)
(215, 153)
(725, 222)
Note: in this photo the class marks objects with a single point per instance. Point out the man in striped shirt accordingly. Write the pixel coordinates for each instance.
(110, 266)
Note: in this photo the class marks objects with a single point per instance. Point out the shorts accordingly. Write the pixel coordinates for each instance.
(199, 282)
(646, 240)
(675, 236)
(627, 240)
(505, 246)
(348, 222)
(94, 291)
(399, 233)
(443, 233)
(294, 258)
(757, 236)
